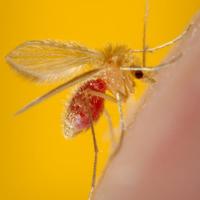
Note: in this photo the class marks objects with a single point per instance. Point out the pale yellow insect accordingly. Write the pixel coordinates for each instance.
(50, 60)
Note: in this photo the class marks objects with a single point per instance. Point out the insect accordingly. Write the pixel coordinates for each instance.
(110, 75)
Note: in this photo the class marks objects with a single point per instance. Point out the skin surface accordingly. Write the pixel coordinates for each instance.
(160, 156)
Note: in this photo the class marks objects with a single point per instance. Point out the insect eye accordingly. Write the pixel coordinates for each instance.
(139, 74)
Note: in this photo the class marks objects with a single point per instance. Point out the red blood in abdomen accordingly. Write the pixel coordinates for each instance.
(77, 118)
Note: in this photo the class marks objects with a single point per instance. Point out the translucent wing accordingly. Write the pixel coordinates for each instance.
(49, 60)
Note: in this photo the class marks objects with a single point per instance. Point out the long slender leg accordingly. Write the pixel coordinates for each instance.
(145, 34)
(122, 124)
(58, 89)
(111, 131)
(152, 68)
(179, 37)
(93, 185)
(102, 95)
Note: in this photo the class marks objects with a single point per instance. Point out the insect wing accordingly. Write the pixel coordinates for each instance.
(50, 60)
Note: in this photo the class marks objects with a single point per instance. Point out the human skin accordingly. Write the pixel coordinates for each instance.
(160, 155)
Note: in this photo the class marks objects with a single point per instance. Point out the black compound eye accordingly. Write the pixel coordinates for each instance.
(139, 74)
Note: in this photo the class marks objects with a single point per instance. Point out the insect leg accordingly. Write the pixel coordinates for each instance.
(58, 89)
(145, 33)
(102, 95)
(111, 131)
(179, 37)
(122, 125)
(95, 154)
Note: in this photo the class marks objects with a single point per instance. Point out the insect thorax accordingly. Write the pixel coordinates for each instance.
(116, 80)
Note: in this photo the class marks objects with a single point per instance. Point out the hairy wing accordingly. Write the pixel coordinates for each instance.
(49, 60)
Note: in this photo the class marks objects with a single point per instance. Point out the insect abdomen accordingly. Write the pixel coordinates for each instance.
(84, 101)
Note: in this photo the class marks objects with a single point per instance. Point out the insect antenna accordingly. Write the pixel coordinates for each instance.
(153, 68)
(171, 42)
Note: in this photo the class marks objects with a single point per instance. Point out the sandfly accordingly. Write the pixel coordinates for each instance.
(107, 74)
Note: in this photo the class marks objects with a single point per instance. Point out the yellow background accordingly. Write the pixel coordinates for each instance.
(36, 161)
